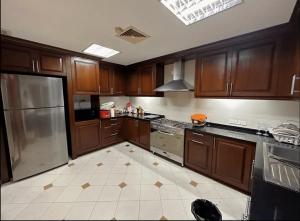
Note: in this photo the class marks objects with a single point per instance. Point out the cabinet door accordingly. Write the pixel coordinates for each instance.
(85, 75)
(144, 134)
(119, 82)
(147, 81)
(106, 80)
(132, 130)
(254, 69)
(213, 74)
(232, 162)
(133, 85)
(49, 63)
(289, 67)
(16, 58)
(198, 152)
(88, 136)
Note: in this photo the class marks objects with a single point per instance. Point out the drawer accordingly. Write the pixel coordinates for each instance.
(200, 137)
(113, 122)
(110, 131)
(111, 140)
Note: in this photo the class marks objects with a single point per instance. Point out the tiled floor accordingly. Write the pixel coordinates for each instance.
(120, 182)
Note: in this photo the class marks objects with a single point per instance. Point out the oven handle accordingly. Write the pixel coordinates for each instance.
(161, 132)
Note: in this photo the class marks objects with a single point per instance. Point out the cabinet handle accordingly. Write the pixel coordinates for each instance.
(198, 134)
(231, 86)
(199, 142)
(294, 79)
(114, 134)
(113, 124)
(99, 89)
(227, 87)
(37, 66)
(33, 67)
(252, 168)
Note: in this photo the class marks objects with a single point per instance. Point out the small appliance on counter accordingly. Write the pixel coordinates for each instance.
(286, 133)
(198, 120)
(107, 110)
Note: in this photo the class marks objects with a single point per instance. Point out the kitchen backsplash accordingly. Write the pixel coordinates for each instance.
(241, 112)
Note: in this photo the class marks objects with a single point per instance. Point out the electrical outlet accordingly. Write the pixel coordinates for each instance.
(243, 122)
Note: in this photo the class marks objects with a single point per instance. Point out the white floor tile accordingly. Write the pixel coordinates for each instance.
(26, 194)
(89, 194)
(80, 211)
(149, 192)
(169, 192)
(33, 211)
(115, 179)
(49, 195)
(57, 211)
(10, 211)
(98, 179)
(127, 210)
(63, 180)
(109, 193)
(150, 210)
(69, 194)
(134, 178)
(173, 209)
(104, 170)
(131, 192)
(104, 211)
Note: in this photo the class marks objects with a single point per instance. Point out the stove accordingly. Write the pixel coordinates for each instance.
(167, 138)
(170, 126)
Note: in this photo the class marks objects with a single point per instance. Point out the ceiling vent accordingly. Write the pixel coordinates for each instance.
(131, 34)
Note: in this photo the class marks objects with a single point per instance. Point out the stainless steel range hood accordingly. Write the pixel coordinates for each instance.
(178, 83)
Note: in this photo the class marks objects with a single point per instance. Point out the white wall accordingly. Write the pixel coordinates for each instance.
(180, 105)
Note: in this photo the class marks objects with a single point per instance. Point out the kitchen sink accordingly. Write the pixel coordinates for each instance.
(282, 165)
(289, 155)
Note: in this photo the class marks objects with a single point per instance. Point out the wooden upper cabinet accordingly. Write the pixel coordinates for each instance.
(23, 59)
(85, 76)
(50, 63)
(289, 66)
(133, 82)
(142, 80)
(254, 69)
(119, 82)
(17, 58)
(106, 80)
(147, 80)
(232, 162)
(213, 73)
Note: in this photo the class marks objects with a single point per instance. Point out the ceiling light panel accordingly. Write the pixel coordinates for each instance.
(190, 11)
(100, 51)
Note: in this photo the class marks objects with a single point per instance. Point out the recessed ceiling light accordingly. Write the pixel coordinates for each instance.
(100, 51)
(190, 11)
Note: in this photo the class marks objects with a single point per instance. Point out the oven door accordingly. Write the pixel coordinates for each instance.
(167, 144)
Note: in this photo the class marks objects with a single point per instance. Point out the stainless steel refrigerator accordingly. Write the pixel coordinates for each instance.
(35, 123)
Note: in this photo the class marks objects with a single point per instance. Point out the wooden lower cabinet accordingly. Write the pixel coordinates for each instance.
(137, 132)
(111, 131)
(232, 162)
(198, 153)
(227, 160)
(132, 130)
(144, 134)
(88, 136)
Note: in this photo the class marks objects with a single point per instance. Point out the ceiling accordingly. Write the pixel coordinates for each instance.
(75, 24)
